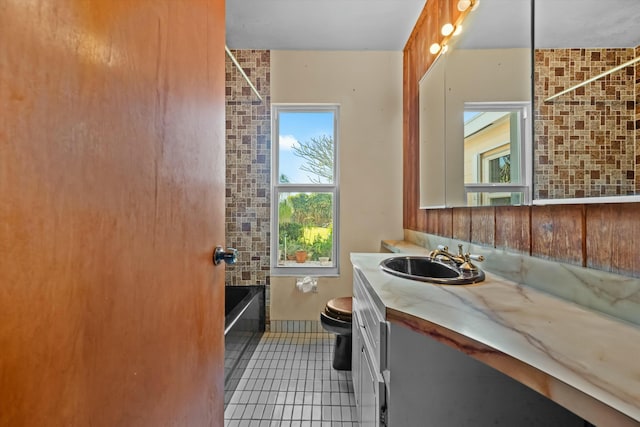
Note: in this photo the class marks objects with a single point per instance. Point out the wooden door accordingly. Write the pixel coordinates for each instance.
(111, 202)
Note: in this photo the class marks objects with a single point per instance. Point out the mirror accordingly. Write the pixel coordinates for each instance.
(432, 154)
(486, 72)
(587, 140)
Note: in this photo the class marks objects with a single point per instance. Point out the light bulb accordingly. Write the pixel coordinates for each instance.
(458, 30)
(475, 4)
(445, 48)
(463, 5)
(434, 48)
(447, 29)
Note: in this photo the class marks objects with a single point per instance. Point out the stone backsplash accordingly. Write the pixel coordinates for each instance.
(613, 294)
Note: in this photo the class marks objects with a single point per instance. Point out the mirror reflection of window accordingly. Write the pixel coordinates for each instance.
(496, 168)
(493, 154)
(488, 137)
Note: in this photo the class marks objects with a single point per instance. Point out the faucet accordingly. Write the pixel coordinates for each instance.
(442, 252)
(461, 260)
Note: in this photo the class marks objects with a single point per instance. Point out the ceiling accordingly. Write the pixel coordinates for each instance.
(386, 24)
(587, 23)
(321, 24)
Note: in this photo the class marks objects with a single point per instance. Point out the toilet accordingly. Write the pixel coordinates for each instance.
(336, 318)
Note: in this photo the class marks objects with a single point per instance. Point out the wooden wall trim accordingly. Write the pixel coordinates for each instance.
(416, 62)
(599, 236)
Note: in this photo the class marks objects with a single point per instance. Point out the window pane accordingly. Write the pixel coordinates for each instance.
(305, 229)
(495, 199)
(306, 147)
(489, 140)
(500, 169)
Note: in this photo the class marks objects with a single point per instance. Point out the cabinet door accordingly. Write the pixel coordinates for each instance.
(367, 394)
(356, 357)
(373, 393)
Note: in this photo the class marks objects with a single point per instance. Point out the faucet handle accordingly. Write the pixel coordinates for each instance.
(464, 255)
(467, 265)
(478, 258)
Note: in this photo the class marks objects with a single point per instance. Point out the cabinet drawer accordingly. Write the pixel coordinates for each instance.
(370, 321)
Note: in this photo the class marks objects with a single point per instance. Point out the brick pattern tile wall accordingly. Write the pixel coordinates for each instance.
(248, 157)
(585, 140)
(637, 77)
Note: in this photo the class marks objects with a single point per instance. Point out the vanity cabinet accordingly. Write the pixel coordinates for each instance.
(368, 356)
(404, 378)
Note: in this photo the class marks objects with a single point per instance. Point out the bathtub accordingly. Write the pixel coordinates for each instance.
(244, 323)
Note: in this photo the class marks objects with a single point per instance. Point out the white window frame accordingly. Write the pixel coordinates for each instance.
(525, 158)
(483, 160)
(277, 188)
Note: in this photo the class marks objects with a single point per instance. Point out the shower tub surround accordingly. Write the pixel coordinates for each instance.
(248, 170)
(586, 141)
(574, 355)
(244, 324)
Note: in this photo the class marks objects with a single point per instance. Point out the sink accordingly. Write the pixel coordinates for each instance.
(426, 269)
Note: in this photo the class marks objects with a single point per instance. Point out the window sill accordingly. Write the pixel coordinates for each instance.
(309, 268)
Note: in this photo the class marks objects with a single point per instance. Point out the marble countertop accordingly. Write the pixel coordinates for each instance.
(584, 360)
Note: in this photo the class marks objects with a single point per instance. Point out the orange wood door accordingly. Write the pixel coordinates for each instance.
(111, 202)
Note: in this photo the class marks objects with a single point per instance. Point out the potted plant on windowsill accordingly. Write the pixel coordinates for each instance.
(297, 251)
(324, 260)
(322, 249)
(301, 254)
(292, 247)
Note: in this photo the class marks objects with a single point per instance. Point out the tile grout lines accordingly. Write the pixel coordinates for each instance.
(289, 382)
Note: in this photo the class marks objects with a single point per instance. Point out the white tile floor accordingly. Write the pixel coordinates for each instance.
(289, 382)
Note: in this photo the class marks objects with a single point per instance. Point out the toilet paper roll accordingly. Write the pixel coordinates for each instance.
(306, 284)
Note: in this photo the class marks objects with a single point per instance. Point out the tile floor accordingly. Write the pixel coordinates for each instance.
(289, 382)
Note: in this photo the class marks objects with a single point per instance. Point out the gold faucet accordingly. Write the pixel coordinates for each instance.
(461, 260)
(442, 252)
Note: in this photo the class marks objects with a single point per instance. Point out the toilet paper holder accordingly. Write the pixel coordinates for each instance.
(307, 284)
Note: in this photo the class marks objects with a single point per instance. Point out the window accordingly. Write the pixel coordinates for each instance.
(496, 146)
(304, 227)
(496, 167)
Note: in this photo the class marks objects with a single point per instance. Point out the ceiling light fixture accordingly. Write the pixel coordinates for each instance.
(463, 5)
(450, 30)
(447, 29)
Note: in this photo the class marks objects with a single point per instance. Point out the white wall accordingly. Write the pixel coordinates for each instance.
(368, 87)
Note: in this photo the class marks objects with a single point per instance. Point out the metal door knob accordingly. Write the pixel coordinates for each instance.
(229, 256)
